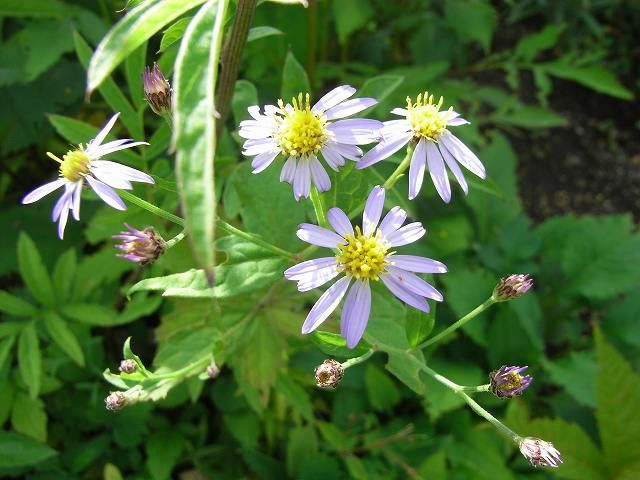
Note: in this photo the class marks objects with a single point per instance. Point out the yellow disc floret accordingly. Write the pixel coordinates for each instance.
(363, 257)
(301, 132)
(425, 117)
(74, 164)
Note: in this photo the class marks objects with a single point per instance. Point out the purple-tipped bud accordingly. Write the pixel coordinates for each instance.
(115, 401)
(506, 382)
(157, 90)
(329, 373)
(213, 371)
(128, 366)
(142, 247)
(540, 453)
(511, 287)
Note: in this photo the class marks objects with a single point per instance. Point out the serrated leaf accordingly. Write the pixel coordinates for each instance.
(15, 306)
(137, 26)
(576, 373)
(531, 45)
(21, 451)
(294, 79)
(194, 135)
(34, 273)
(595, 77)
(30, 359)
(62, 335)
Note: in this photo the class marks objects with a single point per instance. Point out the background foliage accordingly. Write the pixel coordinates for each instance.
(548, 87)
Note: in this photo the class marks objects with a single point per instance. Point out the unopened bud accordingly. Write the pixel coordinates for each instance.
(213, 371)
(540, 453)
(128, 366)
(115, 401)
(157, 90)
(511, 287)
(506, 382)
(329, 373)
(141, 247)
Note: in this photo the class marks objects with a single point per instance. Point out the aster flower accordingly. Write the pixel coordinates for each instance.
(141, 247)
(540, 453)
(300, 132)
(512, 286)
(157, 90)
(363, 256)
(86, 165)
(506, 382)
(435, 146)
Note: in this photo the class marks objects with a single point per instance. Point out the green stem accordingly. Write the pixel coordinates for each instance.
(178, 238)
(475, 388)
(151, 207)
(318, 207)
(452, 328)
(395, 176)
(356, 360)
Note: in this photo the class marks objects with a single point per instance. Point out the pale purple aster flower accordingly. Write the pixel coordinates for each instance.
(140, 246)
(86, 164)
(435, 146)
(363, 255)
(301, 132)
(540, 453)
(506, 382)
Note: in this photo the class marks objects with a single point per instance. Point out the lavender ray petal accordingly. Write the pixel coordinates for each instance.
(373, 210)
(455, 169)
(392, 221)
(62, 201)
(339, 221)
(352, 152)
(332, 157)
(325, 305)
(319, 236)
(416, 169)
(42, 191)
(383, 150)
(463, 154)
(106, 193)
(404, 295)
(414, 263)
(77, 192)
(262, 161)
(403, 112)
(406, 235)
(302, 179)
(102, 134)
(319, 175)
(438, 172)
(288, 170)
(354, 321)
(98, 152)
(350, 107)
(110, 178)
(333, 98)
(62, 221)
(414, 284)
(301, 269)
(254, 133)
(127, 173)
(317, 278)
(355, 131)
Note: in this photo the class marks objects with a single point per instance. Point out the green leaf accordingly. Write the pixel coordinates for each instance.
(295, 395)
(111, 92)
(64, 274)
(531, 45)
(195, 77)
(248, 268)
(62, 335)
(21, 451)
(137, 26)
(90, 314)
(30, 359)
(595, 77)
(259, 32)
(441, 399)
(576, 373)
(434, 467)
(134, 66)
(472, 20)
(381, 391)
(380, 87)
(334, 345)
(33, 8)
(419, 325)
(163, 451)
(479, 456)
(294, 79)
(15, 306)
(349, 16)
(34, 274)
(618, 394)
(302, 442)
(531, 117)
(245, 95)
(350, 187)
(5, 349)
(174, 33)
(111, 472)
(186, 348)
(29, 417)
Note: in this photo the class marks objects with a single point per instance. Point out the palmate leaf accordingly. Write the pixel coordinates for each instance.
(195, 76)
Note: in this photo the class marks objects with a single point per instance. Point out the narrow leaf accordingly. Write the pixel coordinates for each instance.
(21, 451)
(64, 273)
(30, 359)
(15, 306)
(62, 335)
(34, 274)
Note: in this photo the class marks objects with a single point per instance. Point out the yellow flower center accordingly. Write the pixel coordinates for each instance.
(74, 164)
(425, 117)
(301, 131)
(514, 381)
(363, 257)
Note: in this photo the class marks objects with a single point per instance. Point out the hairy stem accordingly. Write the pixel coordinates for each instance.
(399, 171)
(178, 238)
(356, 360)
(319, 207)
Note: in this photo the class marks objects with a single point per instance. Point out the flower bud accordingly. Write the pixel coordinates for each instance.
(157, 90)
(540, 453)
(115, 401)
(128, 366)
(329, 374)
(511, 287)
(506, 382)
(142, 247)
(213, 371)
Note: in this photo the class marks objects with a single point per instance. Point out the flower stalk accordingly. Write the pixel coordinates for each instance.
(399, 171)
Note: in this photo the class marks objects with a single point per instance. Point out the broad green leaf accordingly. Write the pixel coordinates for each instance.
(576, 373)
(618, 395)
(531, 45)
(245, 95)
(137, 26)
(381, 391)
(334, 345)
(90, 314)
(29, 417)
(15, 306)
(257, 33)
(531, 117)
(294, 79)
(349, 16)
(595, 77)
(350, 188)
(472, 20)
(301, 443)
(174, 33)
(248, 268)
(296, 396)
(64, 274)
(186, 348)
(30, 359)
(33, 8)
(434, 467)
(62, 335)
(163, 451)
(620, 321)
(334, 436)
(194, 136)
(20, 451)
(111, 92)
(34, 273)
(380, 87)
(5, 349)
(419, 325)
